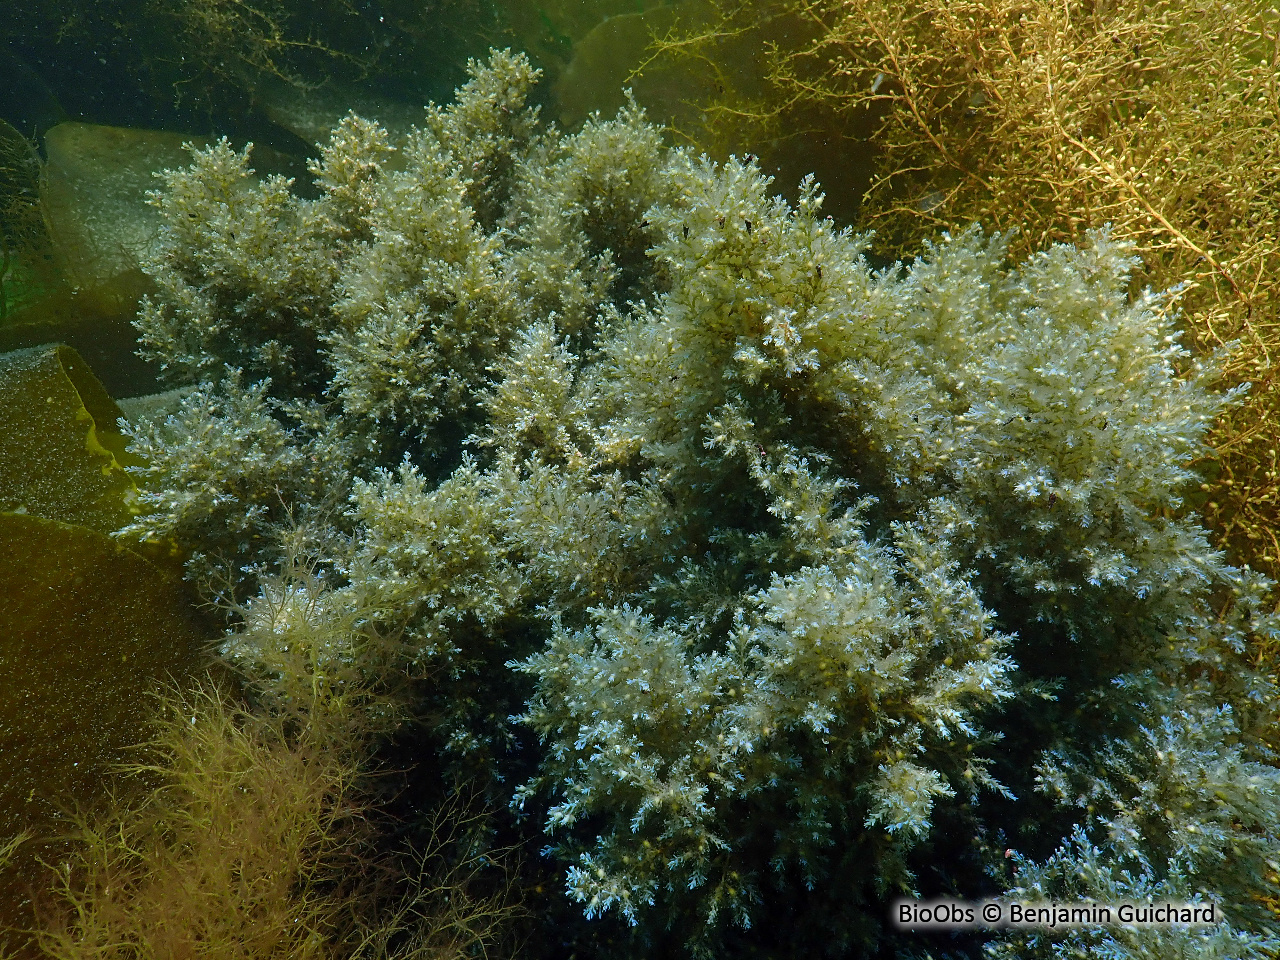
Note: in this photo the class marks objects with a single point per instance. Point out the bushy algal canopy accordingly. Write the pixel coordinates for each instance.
(763, 587)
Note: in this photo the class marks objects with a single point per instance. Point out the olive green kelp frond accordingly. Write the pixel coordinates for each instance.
(62, 455)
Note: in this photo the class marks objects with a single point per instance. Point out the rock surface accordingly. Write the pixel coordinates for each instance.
(96, 184)
(88, 630)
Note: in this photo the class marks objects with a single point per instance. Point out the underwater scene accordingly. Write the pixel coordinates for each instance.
(610, 479)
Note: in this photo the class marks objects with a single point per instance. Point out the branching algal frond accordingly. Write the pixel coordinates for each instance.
(1158, 119)
(763, 561)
